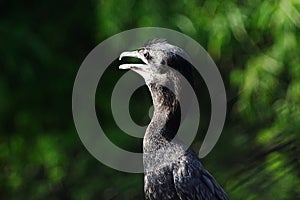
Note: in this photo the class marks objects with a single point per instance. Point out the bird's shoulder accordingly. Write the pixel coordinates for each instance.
(193, 181)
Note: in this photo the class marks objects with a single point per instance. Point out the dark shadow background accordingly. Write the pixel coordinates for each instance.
(255, 44)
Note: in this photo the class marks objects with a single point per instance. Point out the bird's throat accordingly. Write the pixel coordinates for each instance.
(167, 115)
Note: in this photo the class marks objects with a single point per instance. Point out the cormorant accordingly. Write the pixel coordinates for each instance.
(171, 170)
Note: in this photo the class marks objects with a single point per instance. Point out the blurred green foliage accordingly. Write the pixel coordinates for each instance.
(255, 44)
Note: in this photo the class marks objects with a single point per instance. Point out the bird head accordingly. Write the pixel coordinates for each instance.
(159, 59)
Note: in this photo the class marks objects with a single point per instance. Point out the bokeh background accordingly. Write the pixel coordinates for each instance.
(255, 44)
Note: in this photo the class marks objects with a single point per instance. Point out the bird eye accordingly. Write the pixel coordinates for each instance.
(147, 55)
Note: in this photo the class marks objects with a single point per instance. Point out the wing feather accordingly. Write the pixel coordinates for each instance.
(192, 181)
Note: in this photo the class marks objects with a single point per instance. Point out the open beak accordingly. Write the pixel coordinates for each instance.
(135, 67)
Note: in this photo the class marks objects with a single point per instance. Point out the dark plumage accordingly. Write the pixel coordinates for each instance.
(171, 171)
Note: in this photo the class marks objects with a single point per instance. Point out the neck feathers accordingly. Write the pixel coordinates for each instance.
(167, 115)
